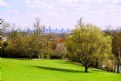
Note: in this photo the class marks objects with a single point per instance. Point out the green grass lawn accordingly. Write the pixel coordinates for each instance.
(50, 70)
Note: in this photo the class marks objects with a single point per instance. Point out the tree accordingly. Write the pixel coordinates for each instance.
(116, 45)
(4, 26)
(49, 44)
(117, 48)
(12, 46)
(60, 50)
(24, 44)
(38, 27)
(88, 44)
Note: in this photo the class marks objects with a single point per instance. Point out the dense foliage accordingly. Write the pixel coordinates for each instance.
(116, 46)
(88, 45)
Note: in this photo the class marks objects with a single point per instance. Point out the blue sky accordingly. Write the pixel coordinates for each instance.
(61, 13)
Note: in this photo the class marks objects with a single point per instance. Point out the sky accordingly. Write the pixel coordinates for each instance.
(61, 13)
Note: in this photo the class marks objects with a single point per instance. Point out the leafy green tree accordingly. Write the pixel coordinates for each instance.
(10, 49)
(116, 45)
(88, 44)
(117, 48)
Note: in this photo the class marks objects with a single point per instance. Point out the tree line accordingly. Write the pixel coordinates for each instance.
(35, 44)
(87, 45)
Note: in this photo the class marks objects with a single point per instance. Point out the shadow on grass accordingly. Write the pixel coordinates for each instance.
(70, 62)
(58, 69)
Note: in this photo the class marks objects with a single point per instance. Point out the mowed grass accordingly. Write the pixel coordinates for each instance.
(50, 70)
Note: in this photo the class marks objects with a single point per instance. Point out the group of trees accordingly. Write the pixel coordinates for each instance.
(21, 44)
(87, 44)
(36, 43)
(116, 45)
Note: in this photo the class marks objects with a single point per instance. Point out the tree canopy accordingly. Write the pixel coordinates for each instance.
(88, 44)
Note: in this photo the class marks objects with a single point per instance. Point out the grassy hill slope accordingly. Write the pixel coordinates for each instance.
(50, 70)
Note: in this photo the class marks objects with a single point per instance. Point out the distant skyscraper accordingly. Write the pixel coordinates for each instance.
(56, 30)
(62, 30)
(49, 29)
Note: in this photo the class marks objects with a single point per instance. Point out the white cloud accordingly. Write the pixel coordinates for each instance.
(68, 1)
(38, 4)
(35, 14)
(50, 14)
(14, 2)
(115, 1)
(114, 11)
(45, 7)
(72, 2)
(62, 12)
(3, 3)
(89, 1)
(110, 1)
(13, 11)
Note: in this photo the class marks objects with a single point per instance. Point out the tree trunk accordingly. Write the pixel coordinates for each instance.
(30, 56)
(39, 56)
(97, 64)
(118, 63)
(86, 69)
(118, 66)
